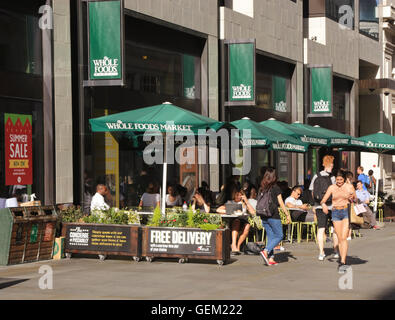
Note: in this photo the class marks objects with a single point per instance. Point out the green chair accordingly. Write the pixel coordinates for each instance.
(381, 214)
(293, 224)
(311, 228)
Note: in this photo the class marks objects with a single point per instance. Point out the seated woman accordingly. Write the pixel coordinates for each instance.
(151, 197)
(296, 207)
(173, 198)
(239, 226)
(201, 200)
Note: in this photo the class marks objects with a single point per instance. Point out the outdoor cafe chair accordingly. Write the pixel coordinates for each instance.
(293, 224)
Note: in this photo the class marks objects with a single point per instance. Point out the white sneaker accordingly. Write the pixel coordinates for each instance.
(321, 257)
(336, 256)
(349, 239)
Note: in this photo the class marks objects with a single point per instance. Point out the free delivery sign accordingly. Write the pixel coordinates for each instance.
(18, 149)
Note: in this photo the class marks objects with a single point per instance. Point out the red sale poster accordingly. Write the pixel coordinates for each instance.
(18, 149)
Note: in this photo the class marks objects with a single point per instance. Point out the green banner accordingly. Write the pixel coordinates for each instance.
(241, 72)
(105, 43)
(321, 90)
(188, 63)
(279, 94)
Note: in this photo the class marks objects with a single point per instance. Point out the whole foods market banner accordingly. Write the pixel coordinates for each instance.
(105, 40)
(321, 90)
(241, 72)
(181, 241)
(279, 94)
(188, 63)
(18, 149)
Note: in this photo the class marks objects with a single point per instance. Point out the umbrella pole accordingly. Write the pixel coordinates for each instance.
(163, 202)
(377, 184)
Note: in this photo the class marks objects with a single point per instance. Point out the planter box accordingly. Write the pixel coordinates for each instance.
(389, 210)
(26, 234)
(186, 243)
(102, 239)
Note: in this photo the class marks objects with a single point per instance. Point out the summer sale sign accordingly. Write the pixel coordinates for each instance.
(18, 149)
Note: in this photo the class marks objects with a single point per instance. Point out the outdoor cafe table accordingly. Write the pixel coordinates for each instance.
(228, 218)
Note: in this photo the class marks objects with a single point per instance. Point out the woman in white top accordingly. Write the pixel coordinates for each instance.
(296, 207)
(151, 197)
(252, 195)
(172, 198)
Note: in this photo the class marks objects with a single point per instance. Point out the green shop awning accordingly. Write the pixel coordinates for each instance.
(379, 142)
(263, 137)
(335, 139)
(165, 117)
(305, 135)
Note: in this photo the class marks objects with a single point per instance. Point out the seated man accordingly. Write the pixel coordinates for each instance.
(98, 202)
(364, 198)
(239, 226)
(297, 209)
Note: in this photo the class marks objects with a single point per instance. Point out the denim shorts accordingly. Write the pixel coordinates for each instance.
(339, 215)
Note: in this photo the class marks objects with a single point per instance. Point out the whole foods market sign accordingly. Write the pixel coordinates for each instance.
(105, 40)
(241, 72)
(321, 91)
(119, 125)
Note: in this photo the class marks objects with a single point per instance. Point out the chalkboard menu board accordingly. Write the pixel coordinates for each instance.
(181, 241)
(98, 238)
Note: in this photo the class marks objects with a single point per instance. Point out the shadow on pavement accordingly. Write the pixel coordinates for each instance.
(283, 257)
(5, 283)
(388, 294)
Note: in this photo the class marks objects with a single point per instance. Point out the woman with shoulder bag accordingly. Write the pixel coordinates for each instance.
(269, 199)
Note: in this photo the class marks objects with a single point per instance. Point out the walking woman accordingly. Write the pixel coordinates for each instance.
(342, 195)
(269, 199)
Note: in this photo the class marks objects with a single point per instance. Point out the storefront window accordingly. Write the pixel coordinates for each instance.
(161, 64)
(20, 43)
(368, 22)
(21, 110)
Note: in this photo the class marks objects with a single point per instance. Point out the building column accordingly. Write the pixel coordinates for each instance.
(63, 102)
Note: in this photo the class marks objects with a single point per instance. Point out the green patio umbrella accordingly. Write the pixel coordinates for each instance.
(162, 118)
(304, 134)
(381, 143)
(265, 137)
(336, 139)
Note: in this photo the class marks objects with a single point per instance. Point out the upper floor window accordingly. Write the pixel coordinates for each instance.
(368, 21)
(338, 10)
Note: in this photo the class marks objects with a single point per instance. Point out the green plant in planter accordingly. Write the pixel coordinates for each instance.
(71, 214)
(156, 218)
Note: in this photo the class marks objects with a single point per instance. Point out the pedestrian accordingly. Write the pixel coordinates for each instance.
(98, 202)
(364, 198)
(363, 177)
(372, 182)
(318, 187)
(268, 202)
(342, 195)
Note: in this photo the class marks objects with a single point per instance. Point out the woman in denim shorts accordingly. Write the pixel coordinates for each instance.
(342, 194)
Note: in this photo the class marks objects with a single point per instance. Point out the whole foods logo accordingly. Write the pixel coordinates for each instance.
(280, 106)
(241, 92)
(106, 67)
(321, 106)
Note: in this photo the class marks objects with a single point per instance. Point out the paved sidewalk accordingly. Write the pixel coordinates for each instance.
(299, 276)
